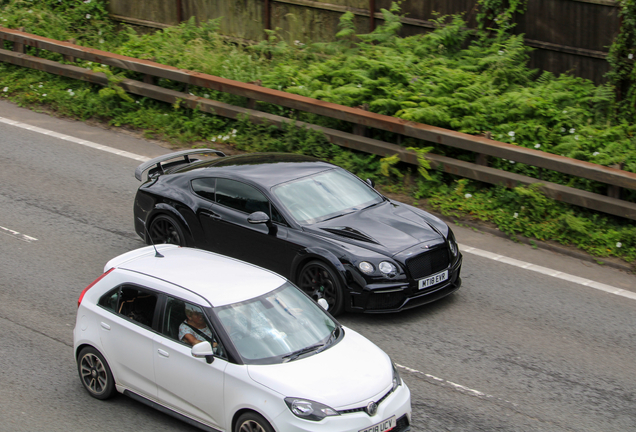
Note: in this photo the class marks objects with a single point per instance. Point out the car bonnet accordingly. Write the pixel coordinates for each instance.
(343, 376)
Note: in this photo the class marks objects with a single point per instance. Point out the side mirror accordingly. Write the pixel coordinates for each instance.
(203, 349)
(370, 183)
(323, 303)
(258, 217)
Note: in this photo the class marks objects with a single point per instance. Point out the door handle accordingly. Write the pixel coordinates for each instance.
(163, 353)
(211, 215)
(105, 326)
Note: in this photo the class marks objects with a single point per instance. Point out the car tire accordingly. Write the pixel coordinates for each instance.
(165, 229)
(318, 280)
(95, 374)
(252, 422)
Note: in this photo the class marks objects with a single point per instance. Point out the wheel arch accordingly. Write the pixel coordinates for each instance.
(242, 411)
(169, 210)
(320, 254)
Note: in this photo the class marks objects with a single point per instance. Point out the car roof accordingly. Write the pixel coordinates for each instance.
(265, 169)
(219, 279)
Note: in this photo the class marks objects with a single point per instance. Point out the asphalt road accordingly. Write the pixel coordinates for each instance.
(513, 350)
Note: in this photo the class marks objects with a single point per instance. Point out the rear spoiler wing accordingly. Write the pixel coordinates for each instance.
(186, 160)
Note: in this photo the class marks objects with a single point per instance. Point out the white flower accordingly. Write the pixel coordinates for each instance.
(537, 146)
(572, 130)
(213, 139)
(101, 41)
(500, 52)
(40, 86)
(562, 130)
(44, 95)
(619, 244)
(468, 196)
(630, 56)
(595, 154)
(359, 85)
(512, 162)
(137, 101)
(72, 93)
(99, 32)
(511, 133)
(87, 1)
(226, 137)
(6, 89)
(88, 16)
(30, 11)
(516, 215)
(69, 90)
(512, 139)
(565, 112)
(234, 131)
(576, 137)
(206, 96)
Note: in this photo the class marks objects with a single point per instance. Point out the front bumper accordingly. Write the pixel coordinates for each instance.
(396, 297)
(397, 404)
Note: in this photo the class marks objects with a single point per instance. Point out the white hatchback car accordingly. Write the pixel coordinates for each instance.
(228, 346)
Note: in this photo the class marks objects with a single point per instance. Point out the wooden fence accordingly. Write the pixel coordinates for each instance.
(567, 35)
(616, 178)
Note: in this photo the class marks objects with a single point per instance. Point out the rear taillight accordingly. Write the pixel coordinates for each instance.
(79, 300)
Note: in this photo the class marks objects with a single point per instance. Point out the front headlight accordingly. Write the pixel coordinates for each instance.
(397, 381)
(388, 268)
(309, 410)
(366, 267)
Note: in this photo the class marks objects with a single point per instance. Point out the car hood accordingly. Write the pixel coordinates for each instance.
(388, 228)
(343, 376)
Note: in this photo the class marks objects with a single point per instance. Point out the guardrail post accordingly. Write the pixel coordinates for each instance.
(251, 103)
(359, 129)
(482, 159)
(149, 79)
(69, 58)
(612, 190)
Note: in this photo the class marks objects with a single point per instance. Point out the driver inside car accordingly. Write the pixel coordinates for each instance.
(194, 329)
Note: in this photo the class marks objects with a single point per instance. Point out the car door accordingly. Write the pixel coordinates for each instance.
(187, 384)
(227, 229)
(127, 336)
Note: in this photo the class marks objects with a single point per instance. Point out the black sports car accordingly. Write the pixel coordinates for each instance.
(320, 226)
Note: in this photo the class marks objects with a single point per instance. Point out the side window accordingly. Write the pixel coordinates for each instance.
(137, 304)
(110, 300)
(241, 197)
(187, 323)
(204, 187)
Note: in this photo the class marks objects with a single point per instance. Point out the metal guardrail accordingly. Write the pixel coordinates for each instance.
(481, 145)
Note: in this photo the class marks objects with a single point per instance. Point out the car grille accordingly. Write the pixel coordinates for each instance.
(385, 300)
(428, 263)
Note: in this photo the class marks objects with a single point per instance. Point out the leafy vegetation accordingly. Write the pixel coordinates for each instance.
(473, 82)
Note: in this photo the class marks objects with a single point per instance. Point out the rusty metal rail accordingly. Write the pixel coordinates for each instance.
(481, 145)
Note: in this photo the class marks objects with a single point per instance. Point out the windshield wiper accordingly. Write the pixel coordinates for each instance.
(339, 215)
(296, 354)
(332, 337)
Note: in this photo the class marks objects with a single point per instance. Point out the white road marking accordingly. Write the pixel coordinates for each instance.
(553, 273)
(17, 235)
(75, 140)
(458, 387)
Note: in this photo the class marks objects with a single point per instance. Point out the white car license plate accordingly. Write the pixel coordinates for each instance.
(433, 280)
(383, 426)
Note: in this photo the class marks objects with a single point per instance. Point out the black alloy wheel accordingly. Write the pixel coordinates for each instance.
(319, 281)
(95, 374)
(165, 230)
(252, 422)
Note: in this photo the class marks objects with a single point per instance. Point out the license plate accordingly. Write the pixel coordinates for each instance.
(383, 426)
(433, 280)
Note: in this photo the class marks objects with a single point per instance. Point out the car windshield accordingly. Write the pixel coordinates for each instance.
(278, 326)
(325, 195)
